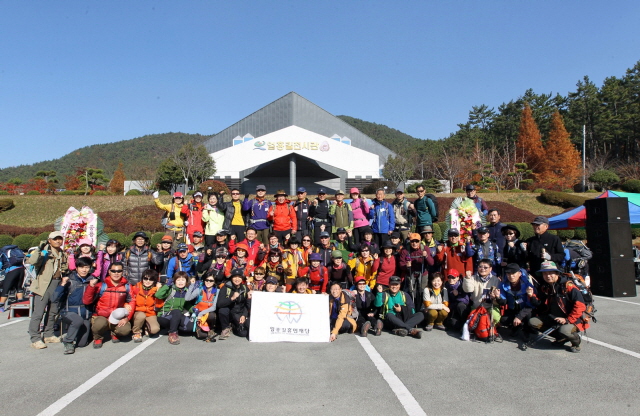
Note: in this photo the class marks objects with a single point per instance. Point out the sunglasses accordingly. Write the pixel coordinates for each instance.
(511, 233)
(323, 238)
(209, 280)
(235, 193)
(148, 278)
(307, 241)
(259, 274)
(415, 241)
(115, 271)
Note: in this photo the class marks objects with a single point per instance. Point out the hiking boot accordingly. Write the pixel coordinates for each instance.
(379, 326)
(211, 336)
(440, 327)
(52, 340)
(364, 331)
(200, 333)
(38, 345)
(97, 343)
(401, 332)
(174, 339)
(428, 327)
(69, 348)
(416, 333)
(574, 348)
(137, 337)
(225, 333)
(114, 338)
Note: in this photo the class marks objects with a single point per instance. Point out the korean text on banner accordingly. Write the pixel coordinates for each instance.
(277, 317)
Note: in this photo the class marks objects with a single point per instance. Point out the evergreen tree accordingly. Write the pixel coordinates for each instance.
(561, 167)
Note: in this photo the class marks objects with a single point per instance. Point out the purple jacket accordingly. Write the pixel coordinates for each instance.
(360, 209)
(460, 297)
(258, 211)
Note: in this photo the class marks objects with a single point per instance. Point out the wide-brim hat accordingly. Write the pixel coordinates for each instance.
(280, 192)
(512, 228)
(548, 266)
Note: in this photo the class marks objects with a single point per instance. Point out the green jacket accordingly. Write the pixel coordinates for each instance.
(425, 209)
(341, 216)
(385, 301)
(46, 267)
(174, 298)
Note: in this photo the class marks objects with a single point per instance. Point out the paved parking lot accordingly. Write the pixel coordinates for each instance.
(438, 375)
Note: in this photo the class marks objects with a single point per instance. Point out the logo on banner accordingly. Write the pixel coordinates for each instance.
(288, 311)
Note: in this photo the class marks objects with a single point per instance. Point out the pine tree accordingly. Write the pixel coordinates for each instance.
(562, 165)
(117, 182)
(529, 148)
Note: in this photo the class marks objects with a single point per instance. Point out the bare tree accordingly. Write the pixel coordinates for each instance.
(194, 163)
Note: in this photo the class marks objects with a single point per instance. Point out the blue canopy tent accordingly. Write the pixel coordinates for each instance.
(577, 217)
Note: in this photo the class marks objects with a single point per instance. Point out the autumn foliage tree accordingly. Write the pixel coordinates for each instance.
(117, 182)
(561, 167)
(529, 148)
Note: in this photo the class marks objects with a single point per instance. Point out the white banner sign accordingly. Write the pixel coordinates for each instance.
(277, 317)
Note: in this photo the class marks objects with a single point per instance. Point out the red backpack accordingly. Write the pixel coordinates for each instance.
(480, 324)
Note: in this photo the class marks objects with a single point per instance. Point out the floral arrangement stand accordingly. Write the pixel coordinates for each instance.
(76, 225)
(464, 217)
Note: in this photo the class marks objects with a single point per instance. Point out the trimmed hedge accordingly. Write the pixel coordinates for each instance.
(580, 234)
(24, 241)
(121, 238)
(632, 185)
(133, 192)
(155, 239)
(565, 234)
(539, 191)
(163, 192)
(4, 193)
(32, 193)
(437, 231)
(458, 191)
(5, 240)
(592, 191)
(562, 199)
(6, 204)
(102, 193)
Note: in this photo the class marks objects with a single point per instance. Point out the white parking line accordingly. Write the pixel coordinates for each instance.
(66, 400)
(613, 347)
(407, 400)
(14, 321)
(617, 300)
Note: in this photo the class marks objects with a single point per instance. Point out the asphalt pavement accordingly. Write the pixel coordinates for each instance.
(436, 375)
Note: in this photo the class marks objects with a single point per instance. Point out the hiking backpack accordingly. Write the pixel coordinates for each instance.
(12, 256)
(351, 301)
(582, 250)
(578, 281)
(434, 215)
(480, 324)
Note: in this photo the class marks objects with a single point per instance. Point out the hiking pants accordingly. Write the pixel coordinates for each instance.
(100, 324)
(380, 239)
(362, 318)
(393, 321)
(39, 305)
(458, 315)
(226, 317)
(436, 316)
(171, 320)
(567, 332)
(78, 329)
(281, 235)
(11, 281)
(140, 318)
(238, 231)
(346, 327)
(263, 236)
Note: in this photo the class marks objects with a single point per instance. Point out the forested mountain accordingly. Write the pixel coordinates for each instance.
(138, 155)
(391, 138)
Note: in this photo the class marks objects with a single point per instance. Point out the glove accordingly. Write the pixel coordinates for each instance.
(156, 194)
(546, 256)
(186, 223)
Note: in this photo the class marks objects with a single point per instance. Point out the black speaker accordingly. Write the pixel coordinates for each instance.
(613, 277)
(600, 210)
(610, 239)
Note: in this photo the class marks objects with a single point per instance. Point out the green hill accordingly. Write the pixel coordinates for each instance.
(393, 139)
(138, 155)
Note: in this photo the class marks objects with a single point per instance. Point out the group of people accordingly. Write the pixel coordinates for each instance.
(378, 263)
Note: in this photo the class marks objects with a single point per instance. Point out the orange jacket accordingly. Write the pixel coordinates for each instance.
(283, 216)
(145, 301)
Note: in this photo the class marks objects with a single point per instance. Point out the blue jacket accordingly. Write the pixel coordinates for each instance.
(186, 265)
(384, 220)
(69, 296)
(476, 250)
(257, 213)
(520, 301)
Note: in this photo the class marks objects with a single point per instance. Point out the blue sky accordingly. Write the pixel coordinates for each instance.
(75, 73)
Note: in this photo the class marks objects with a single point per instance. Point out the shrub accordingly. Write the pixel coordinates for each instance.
(526, 230)
(6, 204)
(102, 193)
(632, 185)
(430, 185)
(4, 193)
(121, 238)
(24, 241)
(553, 232)
(458, 191)
(155, 239)
(216, 186)
(580, 234)
(635, 232)
(437, 231)
(604, 178)
(539, 190)
(42, 237)
(592, 191)
(133, 192)
(33, 193)
(5, 240)
(67, 192)
(565, 234)
(562, 199)
(163, 192)
(191, 192)
(515, 190)
(36, 240)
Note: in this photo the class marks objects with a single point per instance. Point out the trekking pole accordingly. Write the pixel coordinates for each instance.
(542, 335)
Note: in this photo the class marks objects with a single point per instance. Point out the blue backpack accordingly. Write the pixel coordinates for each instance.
(12, 256)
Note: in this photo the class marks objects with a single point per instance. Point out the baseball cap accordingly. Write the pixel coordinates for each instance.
(359, 279)
(261, 188)
(540, 220)
(339, 192)
(354, 191)
(414, 236)
(177, 194)
(512, 268)
(118, 314)
(55, 234)
(197, 194)
(341, 230)
(167, 237)
(237, 272)
(197, 234)
(315, 257)
(183, 247)
(222, 232)
(399, 191)
(394, 280)
(302, 189)
(336, 254)
(270, 281)
(470, 188)
(453, 272)
(322, 191)
(395, 234)
(483, 230)
(324, 234)
(453, 232)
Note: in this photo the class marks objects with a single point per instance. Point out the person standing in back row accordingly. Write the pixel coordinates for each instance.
(258, 210)
(425, 209)
(301, 207)
(319, 212)
(233, 215)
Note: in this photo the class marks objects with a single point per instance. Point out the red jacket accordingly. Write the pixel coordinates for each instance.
(113, 297)
(388, 267)
(193, 213)
(456, 259)
(283, 216)
(254, 249)
(144, 299)
(318, 277)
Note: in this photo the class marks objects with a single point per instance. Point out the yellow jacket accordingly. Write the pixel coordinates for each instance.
(367, 269)
(178, 222)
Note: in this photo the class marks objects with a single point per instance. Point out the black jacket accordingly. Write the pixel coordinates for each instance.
(515, 254)
(239, 306)
(552, 245)
(368, 305)
(229, 211)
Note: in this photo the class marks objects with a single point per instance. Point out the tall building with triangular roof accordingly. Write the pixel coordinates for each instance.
(293, 143)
